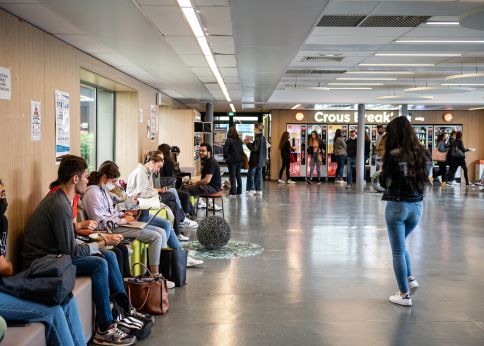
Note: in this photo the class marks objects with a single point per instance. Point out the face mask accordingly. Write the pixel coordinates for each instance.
(3, 206)
(109, 186)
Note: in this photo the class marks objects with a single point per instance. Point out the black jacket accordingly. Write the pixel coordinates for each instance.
(3, 227)
(351, 147)
(458, 143)
(233, 150)
(258, 151)
(367, 148)
(286, 150)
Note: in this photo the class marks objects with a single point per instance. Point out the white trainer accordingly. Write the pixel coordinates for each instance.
(398, 299)
(413, 285)
(280, 181)
(251, 193)
(182, 237)
(170, 284)
(258, 193)
(291, 182)
(214, 206)
(201, 204)
(192, 262)
(187, 223)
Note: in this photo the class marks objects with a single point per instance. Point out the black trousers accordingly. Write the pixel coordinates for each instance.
(122, 255)
(170, 200)
(286, 162)
(235, 178)
(442, 171)
(456, 163)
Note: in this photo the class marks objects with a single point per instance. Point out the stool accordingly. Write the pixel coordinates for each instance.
(213, 196)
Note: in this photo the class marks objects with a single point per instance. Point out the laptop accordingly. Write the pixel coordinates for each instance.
(140, 224)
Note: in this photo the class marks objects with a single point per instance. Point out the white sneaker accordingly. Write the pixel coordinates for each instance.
(181, 237)
(214, 206)
(251, 192)
(201, 204)
(192, 262)
(187, 223)
(259, 193)
(232, 196)
(398, 299)
(280, 181)
(413, 285)
(291, 182)
(170, 284)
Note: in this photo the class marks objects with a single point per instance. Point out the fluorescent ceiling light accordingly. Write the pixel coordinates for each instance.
(437, 90)
(419, 54)
(355, 84)
(442, 23)
(184, 3)
(350, 88)
(380, 72)
(463, 84)
(405, 97)
(410, 65)
(296, 106)
(439, 41)
(203, 43)
(232, 108)
(474, 76)
(475, 108)
(355, 78)
(192, 19)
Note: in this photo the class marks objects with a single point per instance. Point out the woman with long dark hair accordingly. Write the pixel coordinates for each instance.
(233, 155)
(406, 166)
(339, 151)
(458, 152)
(285, 148)
(441, 147)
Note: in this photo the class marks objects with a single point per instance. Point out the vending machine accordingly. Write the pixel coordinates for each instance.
(425, 135)
(331, 131)
(321, 130)
(297, 139)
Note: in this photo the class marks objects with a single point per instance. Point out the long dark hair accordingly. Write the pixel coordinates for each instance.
(401, 136)
(440, 137)
(108, 169)
(284, 139)
(337, 134)
(166, 150)
(458, 136)
(233, 133)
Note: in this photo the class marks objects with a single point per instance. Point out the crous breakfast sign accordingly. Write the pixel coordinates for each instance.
(370, 118)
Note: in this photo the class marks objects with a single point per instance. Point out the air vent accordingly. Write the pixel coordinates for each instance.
(315, 71)
(322, 58)
(350, 21)
(394, 21)
(372, 21)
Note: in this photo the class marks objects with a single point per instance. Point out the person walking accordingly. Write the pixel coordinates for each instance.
(339, 152)
(233, 155)
(442, 148)
(406, 164)
(257, 160)
(285, 147)
(458, 151)
(367, 152)
(315, 150)
(351, 149)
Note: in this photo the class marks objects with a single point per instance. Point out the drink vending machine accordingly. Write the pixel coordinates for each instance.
(321, 130)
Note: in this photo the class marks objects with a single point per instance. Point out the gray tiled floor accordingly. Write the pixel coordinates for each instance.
(325, 275)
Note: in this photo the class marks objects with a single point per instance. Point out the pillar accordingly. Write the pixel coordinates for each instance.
(360, 153)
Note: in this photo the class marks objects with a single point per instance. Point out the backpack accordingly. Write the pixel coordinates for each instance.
(49, 281)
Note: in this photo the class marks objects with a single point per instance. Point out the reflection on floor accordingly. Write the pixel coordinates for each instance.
(325, 275)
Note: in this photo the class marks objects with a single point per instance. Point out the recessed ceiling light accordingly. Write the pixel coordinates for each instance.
(350, 88)
(409, 65)
(440, 41)
(475, 77)
(296, 106)
(355, 84)
(369, 78)
(419, 54)
(380, 72)
(442, 23)
(438, 90)
(475, 108)
(405, 98)
(463, 84)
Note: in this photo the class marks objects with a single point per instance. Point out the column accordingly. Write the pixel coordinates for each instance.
(360, 154)
(208, 137)
(404, 110)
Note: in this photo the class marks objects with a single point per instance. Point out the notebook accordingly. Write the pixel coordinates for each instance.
(140, 224)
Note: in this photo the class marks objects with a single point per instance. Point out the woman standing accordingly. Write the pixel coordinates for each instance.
(233, 155)
(285, 147)
(339, 151)
(315, 148)
(441, 147)
(405, 169)
(458, 152)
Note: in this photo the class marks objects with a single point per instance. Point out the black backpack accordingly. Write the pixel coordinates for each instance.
(49, 281)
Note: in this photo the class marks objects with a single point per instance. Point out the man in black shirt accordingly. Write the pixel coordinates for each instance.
(211, 181)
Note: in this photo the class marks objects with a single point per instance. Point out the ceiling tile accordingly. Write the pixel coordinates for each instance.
(360, 31)
(158, 2)
(217, 20)
(194, 60)
(353, 7)
(184, 44)
(228, 71)
(212, 86)
(211, 2)
(225, 60)
(86, 43)
(231, 79)
(202, 71)
(168, 19)
(221, 44)
(207, 79)
(115, 60)
(350, 40)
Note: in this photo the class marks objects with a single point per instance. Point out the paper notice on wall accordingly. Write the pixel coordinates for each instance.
(5, 83)
(62, 125)
(152, 123)
(35, 120)
(141, 117)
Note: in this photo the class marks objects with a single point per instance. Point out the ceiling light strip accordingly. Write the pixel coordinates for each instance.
(355, 84)
(441, 41)
(379, 72)
(463, 84)
(369, 78)
(349, 88)
(475, 108)
(419, 54)
(442, 23)
(232, 107)
(191, 17)
(401, 65)
(296, 106)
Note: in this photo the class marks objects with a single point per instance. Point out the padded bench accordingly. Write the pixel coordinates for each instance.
(34, 333)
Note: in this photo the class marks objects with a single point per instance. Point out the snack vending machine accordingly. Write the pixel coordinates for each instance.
(297, 139)
(331, 131)
(321, 130)
(425, 135)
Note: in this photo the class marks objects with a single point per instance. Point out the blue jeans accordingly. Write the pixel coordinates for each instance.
(340, 161)
(166, 225)
(351, 162)
(98, 269)
(401, 219)
(62, 323)
(257, 173)
(314, 162)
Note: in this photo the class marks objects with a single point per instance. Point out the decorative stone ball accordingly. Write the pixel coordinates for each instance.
(213, 232)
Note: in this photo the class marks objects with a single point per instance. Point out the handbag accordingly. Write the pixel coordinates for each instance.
(148, 294)
(49, 280)
(173, 265)
(245, 161)
(149, 203)
(293, 158)
(457, 152)
(438, 155)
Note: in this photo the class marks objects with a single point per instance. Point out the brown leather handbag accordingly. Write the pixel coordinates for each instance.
(148, 294)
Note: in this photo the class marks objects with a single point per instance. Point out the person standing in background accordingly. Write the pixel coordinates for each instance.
(233, 155)
(257, 160)
(285, 147)
(459, 159)
(339, 152)
(441, 147)
(315, 149)
(351, 149)
(379, 148)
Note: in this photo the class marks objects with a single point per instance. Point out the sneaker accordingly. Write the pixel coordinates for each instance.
(259, 193)
(398, 299)
(443, 184)
(187, 223)
(280, 181)
(214, 206)
(182, 237)
(290, 181)
(413, 285)
(192, 262)
(449, 183)
(349, 186)
(318, 183)
(308, 181)
(201, 204)
(147, 318)
(251, 193)
(232, 196)
(470, 185)
(170, 284)
(113, 336)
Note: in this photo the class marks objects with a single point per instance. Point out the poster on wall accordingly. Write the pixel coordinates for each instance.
(62, 125)
(141, 118)
(5, 83)
(152, 124)
(35, 120)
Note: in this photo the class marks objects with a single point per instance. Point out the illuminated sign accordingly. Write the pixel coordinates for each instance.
(370, 118)
(448, 117)
(419, 119)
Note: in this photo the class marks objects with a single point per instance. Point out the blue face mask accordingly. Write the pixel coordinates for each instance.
(109, 186)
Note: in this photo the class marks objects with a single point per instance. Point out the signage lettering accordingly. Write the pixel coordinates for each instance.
(321, 117)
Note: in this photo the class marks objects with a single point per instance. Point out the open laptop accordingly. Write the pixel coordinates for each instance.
(140, 224)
